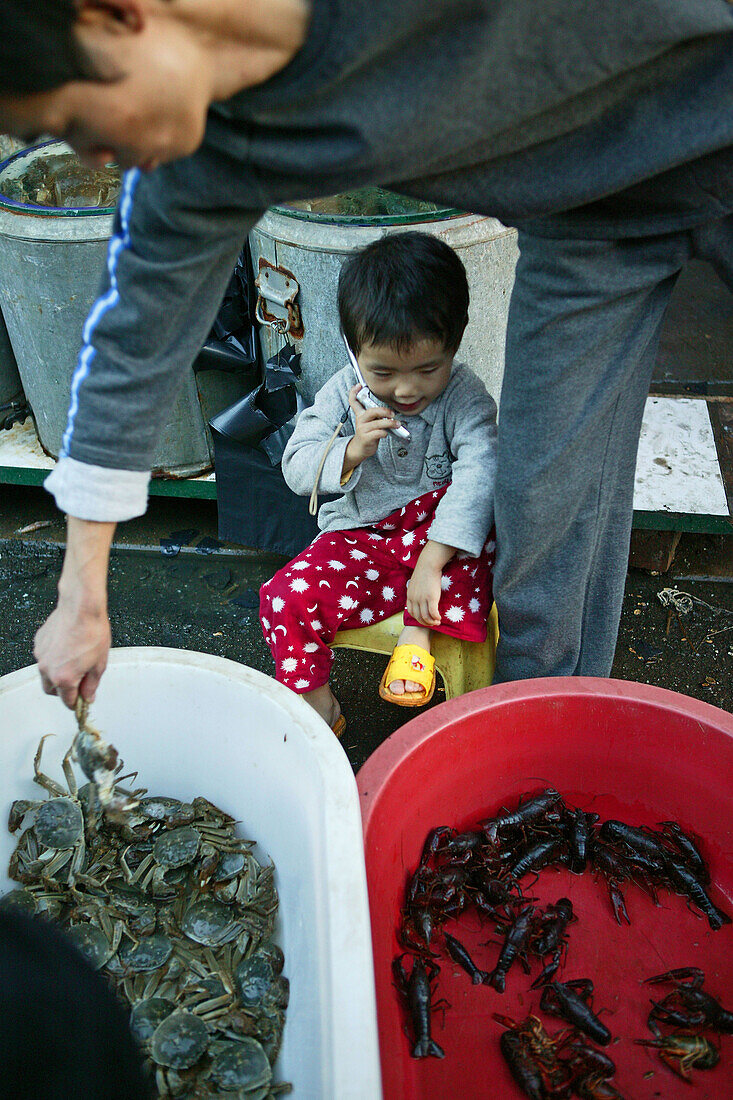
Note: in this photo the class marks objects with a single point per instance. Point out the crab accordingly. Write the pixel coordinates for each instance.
(53, 829)
(100, 764)
(172, 906)
(241, 1065)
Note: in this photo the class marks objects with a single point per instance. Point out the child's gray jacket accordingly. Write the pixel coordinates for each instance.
(453, 440)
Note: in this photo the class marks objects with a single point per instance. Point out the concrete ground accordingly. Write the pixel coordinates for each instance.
(173, 584)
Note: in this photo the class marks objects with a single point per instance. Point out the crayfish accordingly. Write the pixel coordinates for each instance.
(531, 1055)
(688, 849)
(683, 1052)
(434, 893)
(571, 1001)
(459, 954)
(688, 1005)
(543, 806)
(669, 858)
(584, 1061)
(482, 870)
(596, 1087)
(416, 988)
(548, 937)
(618, 867)
(683, 881)
(689, 1010)
(551, 1067)
(513, 946)
(578, 830)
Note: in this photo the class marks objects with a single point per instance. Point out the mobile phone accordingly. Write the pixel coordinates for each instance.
(366, 398)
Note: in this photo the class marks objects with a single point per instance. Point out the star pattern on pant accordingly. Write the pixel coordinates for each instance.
(368, 570)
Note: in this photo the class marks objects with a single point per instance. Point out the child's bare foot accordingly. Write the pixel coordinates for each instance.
(325, 703)
(411, 635)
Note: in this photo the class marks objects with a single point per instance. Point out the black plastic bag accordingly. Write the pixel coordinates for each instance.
(256, 507)
(233, 344)
(266, 416)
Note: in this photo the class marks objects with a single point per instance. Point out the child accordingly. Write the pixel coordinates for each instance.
(410, 527)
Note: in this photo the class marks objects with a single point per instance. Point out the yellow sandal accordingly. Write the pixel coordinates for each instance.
(409, 662)
(339, 726)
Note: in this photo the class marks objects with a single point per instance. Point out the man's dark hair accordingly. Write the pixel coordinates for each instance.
(38, 47)
(403, 288)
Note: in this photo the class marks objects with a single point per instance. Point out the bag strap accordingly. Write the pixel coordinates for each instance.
(313, 502)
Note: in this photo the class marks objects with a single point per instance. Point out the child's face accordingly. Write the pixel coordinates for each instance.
(407, 381)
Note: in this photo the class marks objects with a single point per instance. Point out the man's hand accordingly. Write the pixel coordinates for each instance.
(371, 426)
(71, 649)
(423, 590)
(73, 644)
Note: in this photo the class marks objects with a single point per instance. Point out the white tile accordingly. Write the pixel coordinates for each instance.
(676, 471)
(677, 467)
(19, 446)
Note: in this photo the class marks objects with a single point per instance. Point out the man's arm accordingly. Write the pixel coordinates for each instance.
(177, 235)
(72, 646)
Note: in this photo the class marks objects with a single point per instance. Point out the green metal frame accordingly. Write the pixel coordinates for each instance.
(689, 522)
(192, 488)
(174, 487)
(159, 486)
(19, 475)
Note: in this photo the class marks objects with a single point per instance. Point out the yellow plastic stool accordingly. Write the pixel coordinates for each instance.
(463, 666)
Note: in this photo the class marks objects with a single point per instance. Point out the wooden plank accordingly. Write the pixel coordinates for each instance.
(677, 467)
(721, 418)
(653, 550)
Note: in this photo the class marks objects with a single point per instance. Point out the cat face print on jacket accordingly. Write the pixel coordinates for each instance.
(438, 468)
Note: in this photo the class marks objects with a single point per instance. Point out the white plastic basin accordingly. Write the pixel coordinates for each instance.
(195, 724)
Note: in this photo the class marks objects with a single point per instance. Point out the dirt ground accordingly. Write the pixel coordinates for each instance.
(676, 628)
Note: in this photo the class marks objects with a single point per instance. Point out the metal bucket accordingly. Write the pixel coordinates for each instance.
(312, 245)
(11, 387)
(9, 145)
(51, 262)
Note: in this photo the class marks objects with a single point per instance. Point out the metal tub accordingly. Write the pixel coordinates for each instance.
(51, 264)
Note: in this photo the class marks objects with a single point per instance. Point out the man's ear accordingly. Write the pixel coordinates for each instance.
(114, 13)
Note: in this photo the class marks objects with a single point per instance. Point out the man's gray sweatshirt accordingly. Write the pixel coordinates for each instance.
(452, 440)
(565, 116)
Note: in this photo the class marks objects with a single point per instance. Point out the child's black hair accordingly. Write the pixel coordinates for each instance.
(62, 1031)
(38, 46)
(403, 288)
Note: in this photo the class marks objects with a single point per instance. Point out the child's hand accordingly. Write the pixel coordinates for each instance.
(423, 592)
(424, 589)
(371, 426)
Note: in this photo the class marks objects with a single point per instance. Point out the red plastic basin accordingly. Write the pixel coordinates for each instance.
(623, 750)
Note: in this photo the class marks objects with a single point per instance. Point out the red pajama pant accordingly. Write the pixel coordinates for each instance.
(348, 579)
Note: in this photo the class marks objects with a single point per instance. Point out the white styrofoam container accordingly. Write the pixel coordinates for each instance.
(192, 724)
